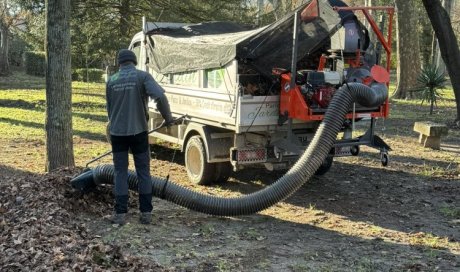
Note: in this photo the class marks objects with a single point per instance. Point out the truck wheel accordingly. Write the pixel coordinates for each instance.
(324, 168)
(199, 170)
(223, 171)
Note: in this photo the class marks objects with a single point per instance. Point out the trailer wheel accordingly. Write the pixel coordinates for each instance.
(354, 150)
(324, 168)
(199, 170)
(384, 158)
(223, 171)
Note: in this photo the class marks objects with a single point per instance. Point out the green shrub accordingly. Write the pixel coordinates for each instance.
(90, 74)
(35, 63)
(74, 75)
(431, 79)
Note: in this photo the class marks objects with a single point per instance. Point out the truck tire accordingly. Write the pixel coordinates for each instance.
(324, 168)
(223, 172)
(199, 170)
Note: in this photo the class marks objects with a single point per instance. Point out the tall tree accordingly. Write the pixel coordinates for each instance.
(12, 21)
(96, 22)
(408, 65)
(5, 23)
(448, 44)
(437, 60)
(58, 123)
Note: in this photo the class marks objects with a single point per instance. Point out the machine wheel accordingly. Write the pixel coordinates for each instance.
(384, 158)
(354, 150)
(223, 171)
(199, 170)
(324, 168)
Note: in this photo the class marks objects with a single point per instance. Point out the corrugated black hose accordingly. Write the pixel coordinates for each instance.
(300, 173)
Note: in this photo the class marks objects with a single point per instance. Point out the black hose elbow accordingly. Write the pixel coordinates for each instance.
(368, 96)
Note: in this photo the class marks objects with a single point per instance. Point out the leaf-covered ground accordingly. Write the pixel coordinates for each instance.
(44, 227)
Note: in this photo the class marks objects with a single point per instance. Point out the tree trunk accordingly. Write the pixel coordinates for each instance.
(448, 45)
(124, 10)
(4, 31)
(408, 65)
(447, 4)
(4, 63)
(58, 122)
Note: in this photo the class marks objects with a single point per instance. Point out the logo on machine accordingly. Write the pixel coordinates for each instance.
(287, 87)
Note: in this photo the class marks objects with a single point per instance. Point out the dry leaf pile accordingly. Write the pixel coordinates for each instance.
(42, 227)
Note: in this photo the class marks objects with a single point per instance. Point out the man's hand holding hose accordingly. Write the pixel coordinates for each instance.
(171, 122)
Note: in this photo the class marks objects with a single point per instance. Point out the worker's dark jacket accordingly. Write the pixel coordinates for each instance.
(127, 93)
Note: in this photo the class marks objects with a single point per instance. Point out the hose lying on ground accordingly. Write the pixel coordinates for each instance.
(300, 172)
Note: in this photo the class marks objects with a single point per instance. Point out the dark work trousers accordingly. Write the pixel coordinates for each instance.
(139, 146)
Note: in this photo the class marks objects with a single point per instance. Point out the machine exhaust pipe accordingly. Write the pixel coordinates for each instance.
(299, 174)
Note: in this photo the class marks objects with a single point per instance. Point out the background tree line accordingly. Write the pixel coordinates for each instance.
(100, 28)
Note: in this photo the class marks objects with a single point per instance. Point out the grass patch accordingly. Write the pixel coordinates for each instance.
(428, 240)
(453, 212)
(22, 112)
(432, 171)
(19, 80)
(22, 117)
(413, 109)
(208, 230)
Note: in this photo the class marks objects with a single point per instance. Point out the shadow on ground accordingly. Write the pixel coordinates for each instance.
(387, 197)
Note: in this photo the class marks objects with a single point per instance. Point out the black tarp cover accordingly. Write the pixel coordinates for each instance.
(214, 44)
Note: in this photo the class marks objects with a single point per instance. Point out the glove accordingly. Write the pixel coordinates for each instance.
(171, 121)
(168, 122)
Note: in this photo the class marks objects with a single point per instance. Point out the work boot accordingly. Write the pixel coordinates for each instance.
(118, 218)
(145, 218)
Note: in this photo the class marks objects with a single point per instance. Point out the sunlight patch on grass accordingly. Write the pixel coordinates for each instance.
(22, 112)
(369, 230)
(428, 240)
(22, 120)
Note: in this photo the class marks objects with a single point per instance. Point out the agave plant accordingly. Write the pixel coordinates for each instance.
(431, 80)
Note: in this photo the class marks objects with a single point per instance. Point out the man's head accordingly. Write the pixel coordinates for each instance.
(125, 56)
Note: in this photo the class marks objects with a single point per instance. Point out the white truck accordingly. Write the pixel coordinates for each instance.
(229, 81)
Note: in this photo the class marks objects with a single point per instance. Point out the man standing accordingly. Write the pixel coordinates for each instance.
(126, 94)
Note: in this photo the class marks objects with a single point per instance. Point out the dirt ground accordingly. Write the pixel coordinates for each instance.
(360, 216)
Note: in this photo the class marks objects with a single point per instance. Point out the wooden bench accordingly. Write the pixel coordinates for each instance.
(430, 133)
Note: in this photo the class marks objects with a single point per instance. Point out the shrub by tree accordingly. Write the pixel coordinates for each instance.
(89, 75)
(431, 79)
(34, 63)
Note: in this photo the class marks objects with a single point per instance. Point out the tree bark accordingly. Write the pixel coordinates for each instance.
(408, 65)
(447, 5)
(448, 45)
(125, 11)
(4, 63)
(58, 122)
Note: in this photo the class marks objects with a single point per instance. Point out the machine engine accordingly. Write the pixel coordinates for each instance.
(318, 87)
